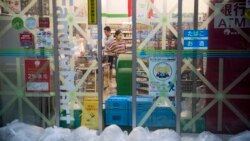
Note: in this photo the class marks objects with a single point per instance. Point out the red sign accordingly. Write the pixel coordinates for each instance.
(44, 22)
(26, 39)
(225, 37)
(37, 75)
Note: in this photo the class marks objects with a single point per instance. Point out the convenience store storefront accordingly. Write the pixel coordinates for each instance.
(189, 59)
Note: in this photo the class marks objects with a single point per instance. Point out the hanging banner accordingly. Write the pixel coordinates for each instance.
(144, 11)
(92, 12)
(37, 75)
(162, 76)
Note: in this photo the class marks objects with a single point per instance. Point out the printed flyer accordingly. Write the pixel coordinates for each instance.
(162, 79)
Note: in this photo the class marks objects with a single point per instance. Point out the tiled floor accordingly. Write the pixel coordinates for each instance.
(111, 89)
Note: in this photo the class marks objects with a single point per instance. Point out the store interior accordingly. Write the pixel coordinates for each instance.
(72, 90)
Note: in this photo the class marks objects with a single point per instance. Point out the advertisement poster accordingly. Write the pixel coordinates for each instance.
(13, 5)
(44, 39)
(162, 79)
(234, 15)
(26, 39)
(229, 36)
(37, 75)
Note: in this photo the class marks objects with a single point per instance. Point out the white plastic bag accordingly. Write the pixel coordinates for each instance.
(3, 133)
(139, 134)
(20, 131)
(208, 136)
(243, 136)
(164, 135)
(56, 134)
(83, 134)
(113, 133)
(188, 139)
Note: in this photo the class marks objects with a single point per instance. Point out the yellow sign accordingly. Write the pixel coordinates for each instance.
(90, 112)
(247, 13)
(92, 12)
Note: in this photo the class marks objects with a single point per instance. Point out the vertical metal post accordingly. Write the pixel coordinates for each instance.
(134, 63)
(42, 53)
(194, 79)
(99, 77)
(56, 63)
(196, 12)
(178, 72)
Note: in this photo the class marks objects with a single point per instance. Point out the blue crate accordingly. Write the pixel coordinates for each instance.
(117, 110)
(142, 102)
(163, 117)
(117, 102)
(139, 115)
(117, 116)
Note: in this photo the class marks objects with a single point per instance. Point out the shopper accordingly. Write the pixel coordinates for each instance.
(107, 42)
(118, 46)
(108, 39)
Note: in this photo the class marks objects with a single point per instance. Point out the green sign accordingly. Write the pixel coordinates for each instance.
(17, 23)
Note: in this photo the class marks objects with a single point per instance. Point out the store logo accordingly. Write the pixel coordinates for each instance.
(228, 32)
(37, 64)
(66, 52)
(162, 71)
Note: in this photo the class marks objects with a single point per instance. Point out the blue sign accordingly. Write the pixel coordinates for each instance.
(195, 39)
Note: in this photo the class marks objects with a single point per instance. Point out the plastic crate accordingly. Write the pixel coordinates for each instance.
(117, 116)
(139, 116)
(117, 110)
(143, 104)
(117, 102)
(163, 117)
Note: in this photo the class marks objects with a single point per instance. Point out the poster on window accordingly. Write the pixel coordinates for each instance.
(13, 5)
(234, 16)
(232, 38)
(162, 76)
(37, 75)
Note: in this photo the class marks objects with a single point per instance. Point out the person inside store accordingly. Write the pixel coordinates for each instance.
(118, 46)
(107, 42)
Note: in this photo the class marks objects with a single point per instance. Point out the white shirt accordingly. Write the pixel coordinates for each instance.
(108, 41)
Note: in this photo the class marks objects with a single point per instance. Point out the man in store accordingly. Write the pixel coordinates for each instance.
(107, 42)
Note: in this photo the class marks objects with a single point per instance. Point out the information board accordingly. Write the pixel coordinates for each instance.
(37, 75)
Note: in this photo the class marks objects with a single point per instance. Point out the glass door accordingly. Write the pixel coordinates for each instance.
(156, 44)
(78, 66)
(215, 67)
(27, 64)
